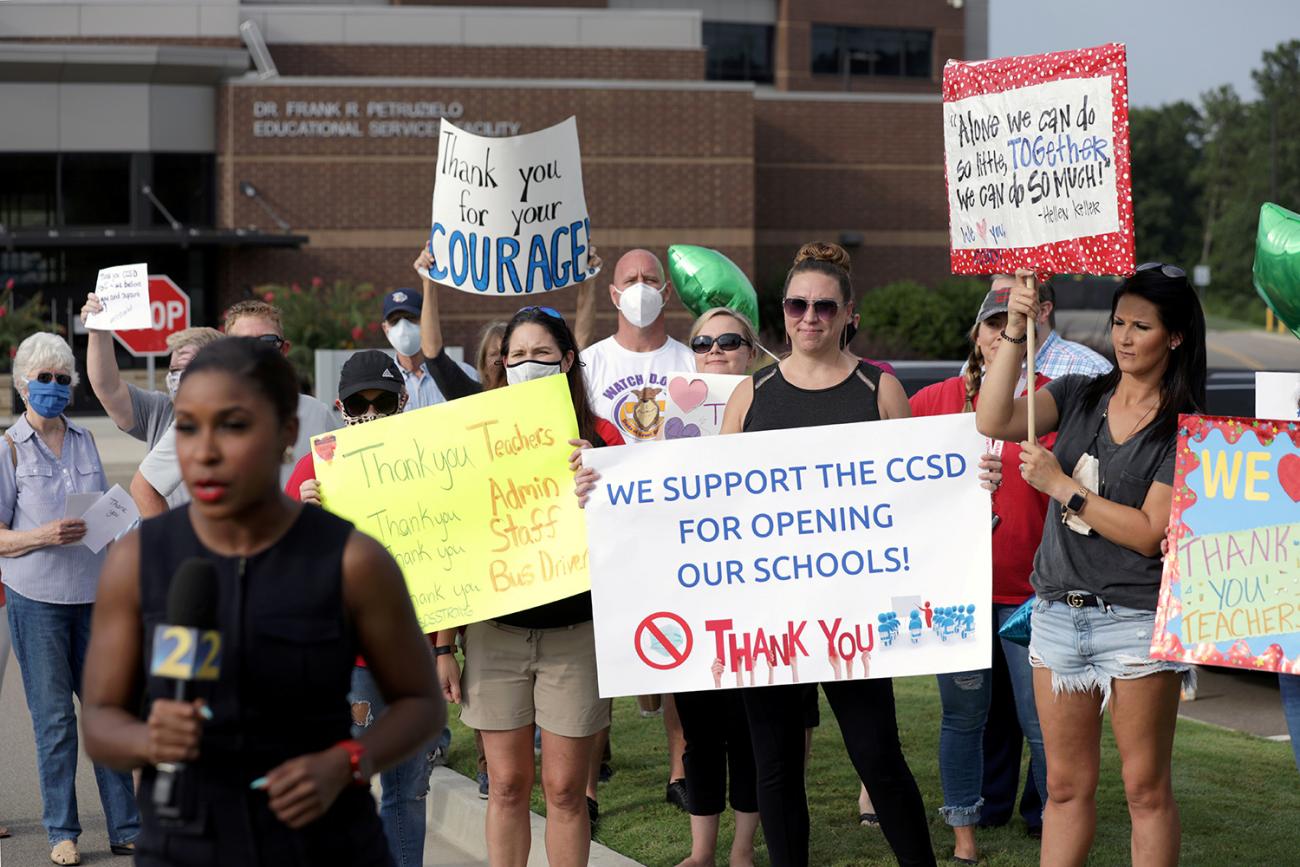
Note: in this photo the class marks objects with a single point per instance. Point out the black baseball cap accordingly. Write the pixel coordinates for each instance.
(403, 300)
(369, 368)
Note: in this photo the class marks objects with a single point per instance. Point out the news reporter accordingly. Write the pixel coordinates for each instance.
(272, 773)
(1097, 580)
(819, 383)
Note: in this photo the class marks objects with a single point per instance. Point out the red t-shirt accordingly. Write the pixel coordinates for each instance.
(1021, 508)
(306, 469)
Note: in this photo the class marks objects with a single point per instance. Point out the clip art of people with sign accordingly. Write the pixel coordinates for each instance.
(1098, 565)
(267, 745)
(818, 383)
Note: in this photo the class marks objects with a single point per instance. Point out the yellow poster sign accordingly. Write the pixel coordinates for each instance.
(473, 498)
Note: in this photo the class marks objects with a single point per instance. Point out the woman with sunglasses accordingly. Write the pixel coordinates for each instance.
(723, 342)
(819, 383)
(1097, 570)
(50, 581)
(536, 667)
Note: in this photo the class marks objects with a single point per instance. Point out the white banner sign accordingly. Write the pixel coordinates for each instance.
(1031, 166)
(509, 214)
(1277, 395)
(696, 402)
(805, 555)
(123, 291)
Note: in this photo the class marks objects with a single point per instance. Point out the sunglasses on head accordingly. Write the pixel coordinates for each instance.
(702, 343)
(549, 311)
(46, 377)
(274, 339)
(1173, 272)
(797, 308)
(385, 403)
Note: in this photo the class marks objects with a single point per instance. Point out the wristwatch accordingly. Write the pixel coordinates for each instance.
(356, 753)
(443, 650)
(1077, 501)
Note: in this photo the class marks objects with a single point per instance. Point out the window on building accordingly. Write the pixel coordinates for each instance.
(871, 51)
(738, 52)
(184, 183)
(29, 190)
(96, 189)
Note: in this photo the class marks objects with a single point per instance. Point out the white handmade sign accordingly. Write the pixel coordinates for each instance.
(123, 292)
(509, 214)
(108, 517)
(814, 554)
(696, 403)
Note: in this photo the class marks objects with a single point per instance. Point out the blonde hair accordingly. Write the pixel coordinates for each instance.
(254, 308)
(482, 363)
(743, 325)
(197, 337)
(973, 373)
(44, 350)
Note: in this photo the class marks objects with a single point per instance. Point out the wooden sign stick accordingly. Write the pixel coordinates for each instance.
(1029, 349)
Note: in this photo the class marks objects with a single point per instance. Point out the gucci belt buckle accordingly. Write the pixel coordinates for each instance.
(1074, 600)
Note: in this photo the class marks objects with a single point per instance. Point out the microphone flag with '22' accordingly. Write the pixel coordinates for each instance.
(186, 648)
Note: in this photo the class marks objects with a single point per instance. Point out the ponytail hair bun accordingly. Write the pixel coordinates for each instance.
(824, 251)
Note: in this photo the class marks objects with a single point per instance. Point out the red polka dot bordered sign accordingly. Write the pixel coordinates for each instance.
(1036, 155)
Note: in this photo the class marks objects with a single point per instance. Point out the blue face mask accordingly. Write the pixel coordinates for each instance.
(49, 399)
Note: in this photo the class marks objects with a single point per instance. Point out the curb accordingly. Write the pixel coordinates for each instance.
(457, 815)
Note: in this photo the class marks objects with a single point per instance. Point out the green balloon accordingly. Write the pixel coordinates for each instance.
(1277, 263)
(705, 278)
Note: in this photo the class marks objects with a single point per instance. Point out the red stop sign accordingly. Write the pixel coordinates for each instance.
(170, 307)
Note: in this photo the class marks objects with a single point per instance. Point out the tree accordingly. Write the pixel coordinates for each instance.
(1167, 192)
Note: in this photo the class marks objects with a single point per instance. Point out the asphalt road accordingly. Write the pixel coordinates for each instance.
(1239, 350)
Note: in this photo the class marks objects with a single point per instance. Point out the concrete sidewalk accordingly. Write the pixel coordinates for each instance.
(454, 835)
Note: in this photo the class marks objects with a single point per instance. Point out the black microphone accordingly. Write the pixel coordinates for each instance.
(186, 648)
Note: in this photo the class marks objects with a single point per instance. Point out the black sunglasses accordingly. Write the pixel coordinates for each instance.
(702, 343)
(796, 308)
(46, 377)
(1173, 272)
(385, 403)
(274, 339)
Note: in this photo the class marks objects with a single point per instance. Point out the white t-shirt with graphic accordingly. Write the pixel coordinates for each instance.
(629, 388)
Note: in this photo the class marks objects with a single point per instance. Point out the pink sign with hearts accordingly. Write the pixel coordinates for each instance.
(696, 402)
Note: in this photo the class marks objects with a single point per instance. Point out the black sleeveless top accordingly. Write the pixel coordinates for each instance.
(285, 671)
(778, 405)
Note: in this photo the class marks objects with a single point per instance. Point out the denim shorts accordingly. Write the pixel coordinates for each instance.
(1086, 648)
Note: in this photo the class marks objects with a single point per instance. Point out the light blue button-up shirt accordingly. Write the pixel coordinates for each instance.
(35, 493)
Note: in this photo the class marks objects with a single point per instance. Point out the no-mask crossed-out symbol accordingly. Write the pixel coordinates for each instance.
(663, 641)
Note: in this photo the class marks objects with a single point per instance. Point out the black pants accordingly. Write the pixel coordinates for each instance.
(865, 711)
(1003, 744)
(717, 741)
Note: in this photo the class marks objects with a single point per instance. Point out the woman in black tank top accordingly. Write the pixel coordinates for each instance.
(270, 775)
(820, 383)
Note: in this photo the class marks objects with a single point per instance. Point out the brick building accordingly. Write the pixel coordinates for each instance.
(279, 142)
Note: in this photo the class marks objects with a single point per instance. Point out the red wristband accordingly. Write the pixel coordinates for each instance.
(356, 752)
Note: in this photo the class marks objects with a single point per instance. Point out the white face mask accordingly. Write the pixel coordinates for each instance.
(641, 304)
(527, 371)
(405, 337)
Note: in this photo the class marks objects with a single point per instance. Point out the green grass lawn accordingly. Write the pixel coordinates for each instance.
(1239, 795)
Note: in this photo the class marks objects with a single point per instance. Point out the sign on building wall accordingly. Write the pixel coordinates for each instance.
(1230, 594)
(1037, 160)
(509, 215)
(367, 119)
(757, 559)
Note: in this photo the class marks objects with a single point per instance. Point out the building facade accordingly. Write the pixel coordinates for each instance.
(234, 145)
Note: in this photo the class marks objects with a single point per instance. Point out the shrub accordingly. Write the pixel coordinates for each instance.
(20, 320)
(341, 315)
(907, 319)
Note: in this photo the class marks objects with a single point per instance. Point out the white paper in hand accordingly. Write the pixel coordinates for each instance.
(76, 504)
(124, 293)
(108, 517)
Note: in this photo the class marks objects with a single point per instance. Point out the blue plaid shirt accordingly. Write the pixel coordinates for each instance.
(1057, 357)
(35, 493)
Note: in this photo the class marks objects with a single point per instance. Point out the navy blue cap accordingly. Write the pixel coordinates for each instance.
(404, 300)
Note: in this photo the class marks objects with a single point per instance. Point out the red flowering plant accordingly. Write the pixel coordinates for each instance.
(18, 320)
(321, 315)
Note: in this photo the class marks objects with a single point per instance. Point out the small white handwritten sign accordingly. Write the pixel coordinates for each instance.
(123, 291)
(108, 517)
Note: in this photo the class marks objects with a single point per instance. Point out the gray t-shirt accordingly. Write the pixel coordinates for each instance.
(152, 412)
(1067, 560)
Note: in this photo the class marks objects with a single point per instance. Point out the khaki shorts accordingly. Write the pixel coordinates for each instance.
(516, 677)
